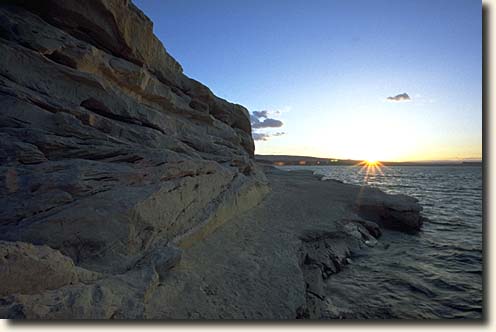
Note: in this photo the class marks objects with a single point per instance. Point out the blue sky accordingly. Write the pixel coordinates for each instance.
(325, 68)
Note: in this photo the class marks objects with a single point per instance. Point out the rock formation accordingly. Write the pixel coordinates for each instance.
(113, 164)
(108, 152)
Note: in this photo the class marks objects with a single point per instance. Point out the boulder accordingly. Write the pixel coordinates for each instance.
(398, 212)
(28, 269)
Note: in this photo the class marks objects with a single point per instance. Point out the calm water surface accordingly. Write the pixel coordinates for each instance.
(435, 274)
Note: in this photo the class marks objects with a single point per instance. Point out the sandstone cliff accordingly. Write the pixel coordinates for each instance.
(115, 166)
(108, 152)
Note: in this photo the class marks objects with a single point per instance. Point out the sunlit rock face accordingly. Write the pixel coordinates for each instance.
(107, 150)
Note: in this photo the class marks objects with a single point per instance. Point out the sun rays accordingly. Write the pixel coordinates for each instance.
(370, 167)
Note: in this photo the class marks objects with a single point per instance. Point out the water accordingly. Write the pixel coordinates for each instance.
(435, 274)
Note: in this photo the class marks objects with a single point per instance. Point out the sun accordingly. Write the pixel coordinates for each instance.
(371, 162)
(370, 167)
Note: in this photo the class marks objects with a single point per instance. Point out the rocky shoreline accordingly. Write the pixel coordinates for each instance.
(270, 262)
(130, 191)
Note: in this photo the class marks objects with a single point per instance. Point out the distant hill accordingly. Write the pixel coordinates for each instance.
(301, 160)
(282, 160)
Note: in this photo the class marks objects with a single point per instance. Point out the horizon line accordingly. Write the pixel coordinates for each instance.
(460, 160)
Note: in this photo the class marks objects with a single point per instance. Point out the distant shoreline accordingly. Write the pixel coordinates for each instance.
(285, 160)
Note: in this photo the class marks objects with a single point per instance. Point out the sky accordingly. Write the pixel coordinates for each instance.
(389, 80)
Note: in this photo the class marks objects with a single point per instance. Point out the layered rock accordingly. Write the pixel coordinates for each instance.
(108, 152)
(115, 168)
(278, 260)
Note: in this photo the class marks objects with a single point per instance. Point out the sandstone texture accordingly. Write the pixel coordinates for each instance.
(276, 260)
(108, 152)
(107, 148)
(130, 191)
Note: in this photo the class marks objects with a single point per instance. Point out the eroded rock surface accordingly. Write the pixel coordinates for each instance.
(274, 261)
(108, 152)
(116, 171)
(106, 146)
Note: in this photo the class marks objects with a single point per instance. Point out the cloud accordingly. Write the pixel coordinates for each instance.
(260, 114)
(265, 136)
(399, 98)
(260, 120)
(267, 123)
(260, 136)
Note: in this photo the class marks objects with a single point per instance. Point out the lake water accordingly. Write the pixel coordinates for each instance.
(434, 274)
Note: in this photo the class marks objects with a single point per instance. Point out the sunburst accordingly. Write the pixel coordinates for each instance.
(371, 167)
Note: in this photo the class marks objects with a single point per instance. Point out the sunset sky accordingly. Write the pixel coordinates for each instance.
(323, 71)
